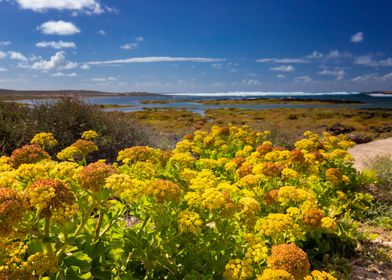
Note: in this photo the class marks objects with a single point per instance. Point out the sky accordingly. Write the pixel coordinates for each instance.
(196, 45)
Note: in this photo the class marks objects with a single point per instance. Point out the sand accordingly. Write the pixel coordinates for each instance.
(364, 153)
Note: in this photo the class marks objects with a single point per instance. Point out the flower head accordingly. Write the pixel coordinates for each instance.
(163, 190)
(190, 221)
(89, 135)
(27, 154)
(290, 258)
(44, 139)
(50, 197)
(238, 269)
(93, 176)
(275, 274)
(11, 209)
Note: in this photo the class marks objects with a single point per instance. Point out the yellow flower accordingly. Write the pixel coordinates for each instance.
(328, 224)
(50, 197)
(238, 269)
(275, 274)
(320, 275)
(292, 196)
(190, 221)
(213, 199)
(44, 139)
(279, 227)
(41, 263)
(89, 135)
(257, 252)
(4, 164)
(70, 153)
(289, 174)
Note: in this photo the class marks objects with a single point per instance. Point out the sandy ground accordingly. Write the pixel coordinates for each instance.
(364, 153)
(364, 269)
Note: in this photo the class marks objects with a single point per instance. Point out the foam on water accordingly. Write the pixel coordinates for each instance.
(259, 93)
(380, 95)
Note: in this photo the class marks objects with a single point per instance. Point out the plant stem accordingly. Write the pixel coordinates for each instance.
(98, 227)
(46, 235)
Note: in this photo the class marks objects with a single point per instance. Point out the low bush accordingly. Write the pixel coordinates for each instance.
(66, 119)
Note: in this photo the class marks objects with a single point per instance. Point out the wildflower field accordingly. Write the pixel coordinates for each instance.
(224, 204)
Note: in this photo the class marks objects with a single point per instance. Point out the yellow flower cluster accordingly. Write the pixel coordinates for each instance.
(51, 197)
(44, 139)
(275, 274)
(238, 269)
(320, 275)
(190, 221)
(279, 227)
(257, 252)
(89, 135)
(41, 263)
(130, 190)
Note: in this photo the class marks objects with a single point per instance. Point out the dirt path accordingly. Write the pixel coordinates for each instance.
(363, 153)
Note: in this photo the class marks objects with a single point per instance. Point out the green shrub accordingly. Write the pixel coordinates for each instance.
(66, 119)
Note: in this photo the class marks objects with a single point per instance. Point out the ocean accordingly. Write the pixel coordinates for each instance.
(189, 100)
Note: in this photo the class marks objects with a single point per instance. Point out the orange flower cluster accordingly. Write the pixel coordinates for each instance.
(290, 258)
(163, 190)
(313, 217)
(11, 209)
(28, 154)
(93, 176)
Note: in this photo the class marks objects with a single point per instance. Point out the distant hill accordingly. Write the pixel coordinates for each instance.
(39, 94)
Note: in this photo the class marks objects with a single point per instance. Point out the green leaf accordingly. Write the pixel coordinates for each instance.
(80, 260)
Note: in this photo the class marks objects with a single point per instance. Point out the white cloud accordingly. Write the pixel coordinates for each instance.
(2, 69)
(373, 77)
(152, 59)
(5, 43)
(338, 74)
(2, 55)
(337, 54)
(101, 32)
(58, 62)
(56, 45)
(17, 56)
(85, 67)
(280, 76)
(251, 82)
(58, 28)
(104, 79)
(315, 55)
(129, 46)
(86, 6)
(218, 66)
(132, 45)
(303, 79)
(283, 68)
(282, 60)
(357, 37)
(61, 74)
(367, 60)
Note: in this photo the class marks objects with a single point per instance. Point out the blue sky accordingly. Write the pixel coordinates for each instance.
(196, 46)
